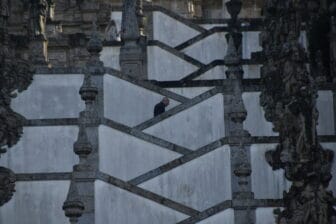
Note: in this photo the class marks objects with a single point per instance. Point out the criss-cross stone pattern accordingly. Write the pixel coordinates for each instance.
(178, 167)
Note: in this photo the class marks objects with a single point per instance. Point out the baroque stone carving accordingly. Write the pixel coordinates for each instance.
(16, 76)
(289, 100)
(7, 185)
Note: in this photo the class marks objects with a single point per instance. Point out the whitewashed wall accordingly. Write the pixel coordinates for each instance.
(250, 44)
(326, 113)
(190, 92)
(225, 217)
(209, 49)
(127, 103)
(200, 184)
(110, 57)
(43, 149)
(38, 202)
(164, 66)
(198, 126)
(170, 31)
(266, 182)
(51, 96)
(127, 157)
(114, 205)
(265, 216)
(255, 121)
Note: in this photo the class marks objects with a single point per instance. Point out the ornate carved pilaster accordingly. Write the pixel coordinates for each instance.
(15, 75)
(289, 100)
(133, 58)
(235, 115)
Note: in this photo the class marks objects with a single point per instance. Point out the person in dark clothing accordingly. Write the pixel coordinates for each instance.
(161, 107)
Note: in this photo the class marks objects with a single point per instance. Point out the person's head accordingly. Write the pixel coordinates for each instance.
(165, 101)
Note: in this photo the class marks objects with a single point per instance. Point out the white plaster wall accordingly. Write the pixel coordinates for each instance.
(116, 16)
(217, 72)
(43, 149)
(38, 202)
(170, 31)
(326, 113)
(225, 217)
(266, 182)
(198, 126)
(127, 103)
(114, 205)
(51, 96)
(265, 216)
(200, 183)
(164, 66)
(255, 121)
(110, 57)
(209, 49)
(332, 184)
(126, 157)
(250, 44)
(190, 92)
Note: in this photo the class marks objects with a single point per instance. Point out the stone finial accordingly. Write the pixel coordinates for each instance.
(82, 147)
(234, 7)
(73, 207)
(95, 44)
(94, 47)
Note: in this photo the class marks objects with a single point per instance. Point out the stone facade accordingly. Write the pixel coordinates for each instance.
(91, 151)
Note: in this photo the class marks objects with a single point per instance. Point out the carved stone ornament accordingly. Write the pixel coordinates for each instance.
(7, 185)
(15, 75)
(289, 100)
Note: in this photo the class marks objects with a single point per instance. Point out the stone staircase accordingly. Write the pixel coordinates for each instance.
(174, 168)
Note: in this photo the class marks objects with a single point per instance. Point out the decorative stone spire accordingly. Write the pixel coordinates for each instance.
(85, 147)
(235, 115)
(133, 58)
(289, 100)
(73, 207)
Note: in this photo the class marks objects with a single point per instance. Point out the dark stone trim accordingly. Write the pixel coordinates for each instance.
(51, 122)
(255, 203)
(152, 8)
(249, 85)
(147, 194)
(187, 22)
(146, 137)
(60, 70)
(200, 37)
(203, 70)
(147, 85)
(43, 176)
(179, 108)
(178, 162)
(175, 52)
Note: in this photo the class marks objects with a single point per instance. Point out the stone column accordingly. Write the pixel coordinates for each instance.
(87, 144)
(235, 114)
(133, 53)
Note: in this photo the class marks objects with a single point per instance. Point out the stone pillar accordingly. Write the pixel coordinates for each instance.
(133, 53)
(235, 114)
(87, 144)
